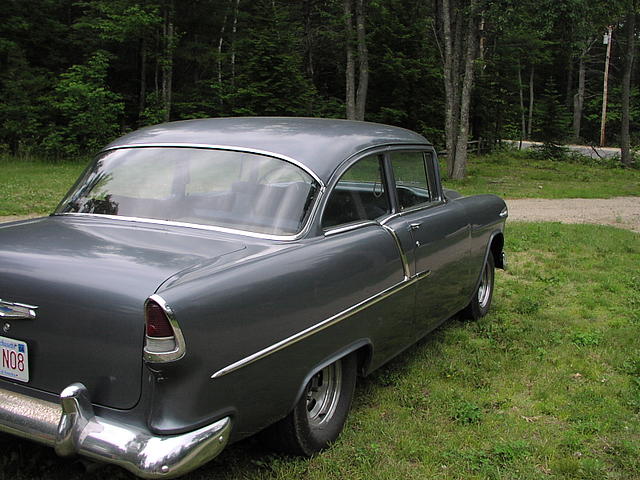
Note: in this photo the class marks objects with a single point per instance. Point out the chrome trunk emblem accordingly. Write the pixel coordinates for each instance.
(16, 311)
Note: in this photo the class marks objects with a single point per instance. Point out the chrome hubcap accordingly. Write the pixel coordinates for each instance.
(323, 392)
(484, 290)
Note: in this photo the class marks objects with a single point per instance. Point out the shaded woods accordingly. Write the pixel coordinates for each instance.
(74, 74)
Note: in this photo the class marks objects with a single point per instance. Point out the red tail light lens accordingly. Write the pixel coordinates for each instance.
(157, 323)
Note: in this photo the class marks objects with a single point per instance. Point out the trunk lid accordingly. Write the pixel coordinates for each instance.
(89, 278)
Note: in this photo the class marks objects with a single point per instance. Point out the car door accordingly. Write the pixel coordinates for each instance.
(434, 233)
(363, 257)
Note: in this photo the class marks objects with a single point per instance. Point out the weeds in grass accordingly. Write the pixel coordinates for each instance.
(516, 174)
(586, 339)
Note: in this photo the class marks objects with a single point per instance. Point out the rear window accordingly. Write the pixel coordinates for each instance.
(238, 190)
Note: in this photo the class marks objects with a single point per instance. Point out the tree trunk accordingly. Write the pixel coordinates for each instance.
(158, 55)
(234, 30)
(605, 90)
(625, 142)
(578, 99)
(460, 52)
(220, 42)
(523, 122)
(460, 165)
(167, 64)
(570, 67)
(350, 69)
(307, 7)
(530, 126)
(449, 84)
(363, 61)
(143, 78)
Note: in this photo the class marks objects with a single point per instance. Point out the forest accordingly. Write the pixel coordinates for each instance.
(75, 74)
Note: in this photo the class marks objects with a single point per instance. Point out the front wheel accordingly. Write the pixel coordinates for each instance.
(318, 417)
(481, 301)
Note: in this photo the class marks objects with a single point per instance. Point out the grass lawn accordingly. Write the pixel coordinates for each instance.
(546, 386)
(37, 187)
(34, 187)
(513, 174)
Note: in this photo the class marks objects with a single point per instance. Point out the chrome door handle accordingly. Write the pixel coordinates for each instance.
(414, 226)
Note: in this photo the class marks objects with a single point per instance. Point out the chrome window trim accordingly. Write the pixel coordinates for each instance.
(348, 227)
(431, 175)
(416, 208)
(221, 147)
(318, 327)
(264, 236)
(180, 350)
(406, 268)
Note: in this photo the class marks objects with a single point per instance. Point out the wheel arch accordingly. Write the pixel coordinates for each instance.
(494, 248)
(363, 348)
(496, 245)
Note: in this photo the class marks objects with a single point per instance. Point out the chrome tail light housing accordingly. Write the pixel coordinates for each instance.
(164, 341)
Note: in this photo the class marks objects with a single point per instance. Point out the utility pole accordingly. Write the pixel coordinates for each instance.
(607, 40)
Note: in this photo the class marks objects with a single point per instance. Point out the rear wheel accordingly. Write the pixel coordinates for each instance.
(481, 301)
(318, 417)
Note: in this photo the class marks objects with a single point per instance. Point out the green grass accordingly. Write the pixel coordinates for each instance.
(513, 174)
(34, 187)
(547, 386)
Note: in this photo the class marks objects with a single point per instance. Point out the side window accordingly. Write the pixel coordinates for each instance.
(358, 195)
(412, 180)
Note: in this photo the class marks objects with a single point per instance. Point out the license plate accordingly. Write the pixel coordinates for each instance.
(15, 359)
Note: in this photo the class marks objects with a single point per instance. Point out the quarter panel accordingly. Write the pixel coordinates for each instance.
(484, 216)
(259, 301)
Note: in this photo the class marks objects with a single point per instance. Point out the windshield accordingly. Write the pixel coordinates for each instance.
(243, 191)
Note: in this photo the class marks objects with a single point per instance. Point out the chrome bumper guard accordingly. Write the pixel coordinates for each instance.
(71, 427)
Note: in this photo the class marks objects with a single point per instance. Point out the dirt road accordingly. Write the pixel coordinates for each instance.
(621, 212)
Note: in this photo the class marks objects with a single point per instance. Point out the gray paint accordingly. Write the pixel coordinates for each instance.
(89, 277)
(234, 295)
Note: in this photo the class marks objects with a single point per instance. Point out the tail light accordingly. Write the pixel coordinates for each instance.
(163, 340)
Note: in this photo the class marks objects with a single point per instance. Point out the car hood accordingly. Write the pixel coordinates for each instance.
(89, 278)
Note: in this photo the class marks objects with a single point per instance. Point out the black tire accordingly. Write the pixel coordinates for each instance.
(481, 301)
(318, 417)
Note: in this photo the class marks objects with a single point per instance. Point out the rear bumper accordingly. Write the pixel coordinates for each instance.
(71, 427)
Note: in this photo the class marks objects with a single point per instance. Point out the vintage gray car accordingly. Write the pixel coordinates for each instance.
(208, 279)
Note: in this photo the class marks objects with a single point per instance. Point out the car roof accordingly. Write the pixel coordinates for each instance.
(319, 144)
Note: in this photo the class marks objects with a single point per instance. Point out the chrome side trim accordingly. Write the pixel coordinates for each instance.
(222, 147)
(347, 228)
(72, 427)
(180, 347)
(318, 327)
(17, 311)
(421, 275)
(403, 256)
(197, 226)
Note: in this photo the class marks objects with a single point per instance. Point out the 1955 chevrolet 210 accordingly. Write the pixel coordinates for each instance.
(208, 279)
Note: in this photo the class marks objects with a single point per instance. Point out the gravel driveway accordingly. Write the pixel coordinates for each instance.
(622, 212)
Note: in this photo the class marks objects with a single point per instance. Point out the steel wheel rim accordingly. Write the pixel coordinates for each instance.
(323, 393)
(484, 290)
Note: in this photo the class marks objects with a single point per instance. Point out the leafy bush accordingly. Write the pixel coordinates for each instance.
(88, 113)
